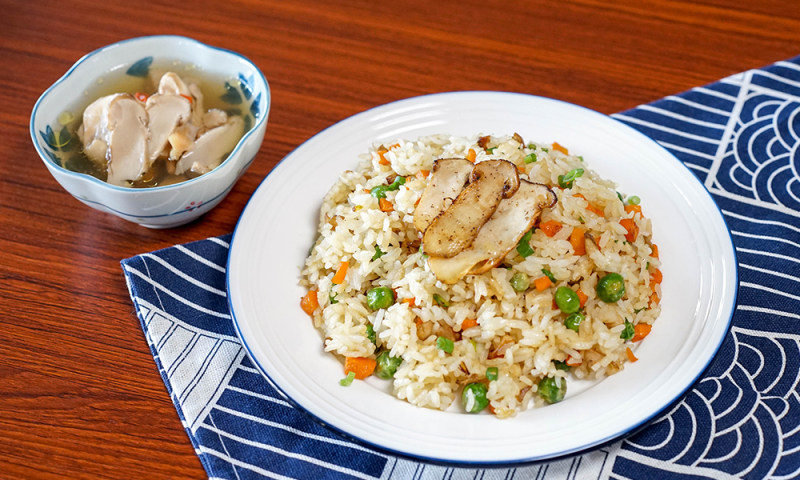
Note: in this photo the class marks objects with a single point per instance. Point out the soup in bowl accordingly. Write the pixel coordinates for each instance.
(155, 130)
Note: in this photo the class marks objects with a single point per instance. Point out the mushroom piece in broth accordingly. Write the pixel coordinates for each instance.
(160, 139)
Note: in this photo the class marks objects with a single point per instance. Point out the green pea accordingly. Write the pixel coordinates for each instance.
(380, 297)
(573, 321)
(552, 389)
(387, 365)
(611, 287)
(492, 373)
(520, 281)
(567, 300)
(474, 397)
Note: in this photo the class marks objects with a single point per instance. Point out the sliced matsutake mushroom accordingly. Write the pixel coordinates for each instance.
(172, 84)
(454, 230)
(126, 137)
(214, 118)
(210, 149)
(166, 113)
(448, 177)
(499, 235)
(93, 131)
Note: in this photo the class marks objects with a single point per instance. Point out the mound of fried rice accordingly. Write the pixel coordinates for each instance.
(522, 334)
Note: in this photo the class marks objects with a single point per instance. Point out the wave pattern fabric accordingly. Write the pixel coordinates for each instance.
(739, 136)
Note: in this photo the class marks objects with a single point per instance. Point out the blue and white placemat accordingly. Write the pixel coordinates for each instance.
(739, 136)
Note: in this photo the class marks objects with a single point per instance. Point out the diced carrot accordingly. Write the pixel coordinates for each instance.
(142, 97)
(628, 352)
(640, 331)
(542, 283)
(630, 226)
(654, 299)
(582, 297)
(654, 250)
(577, 240)
(341, 272)
(469, 323)
(385, 205)
(560, 148)
(633, 208)
(656, 276)
(591, 207)
(411, 301)
(383, 160)
(309, 302)
(471, 155)
(361, 366)
(550, 227)
(422, 174)
(573, 362)
(187, 97)
(596, 210)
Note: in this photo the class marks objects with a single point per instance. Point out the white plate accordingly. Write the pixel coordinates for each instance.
(278, 227)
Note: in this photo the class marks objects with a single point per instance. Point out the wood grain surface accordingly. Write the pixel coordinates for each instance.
(80, 396)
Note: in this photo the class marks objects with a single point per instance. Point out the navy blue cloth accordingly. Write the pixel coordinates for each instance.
(740, 137)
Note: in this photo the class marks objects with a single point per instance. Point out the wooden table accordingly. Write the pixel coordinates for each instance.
(79, 392)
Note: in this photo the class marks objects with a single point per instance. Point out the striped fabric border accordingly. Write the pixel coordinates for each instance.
(739, 136)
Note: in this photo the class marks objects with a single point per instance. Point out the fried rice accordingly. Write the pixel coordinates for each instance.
(506, 334)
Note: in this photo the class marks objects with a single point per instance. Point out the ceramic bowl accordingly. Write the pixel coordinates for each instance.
(58, 112)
